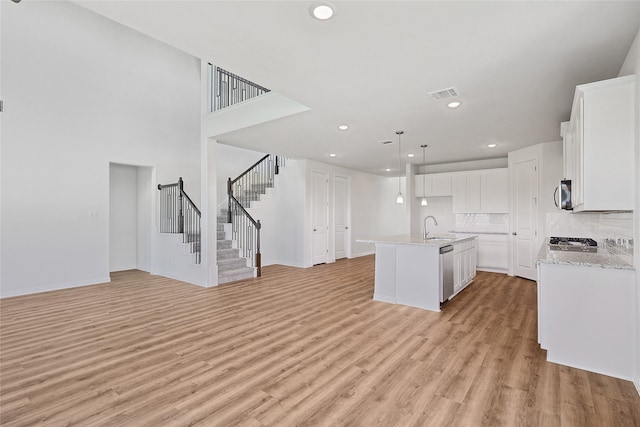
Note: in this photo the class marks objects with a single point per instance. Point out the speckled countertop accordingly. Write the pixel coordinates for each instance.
(437, 240)
(479, 232)
(603, 258)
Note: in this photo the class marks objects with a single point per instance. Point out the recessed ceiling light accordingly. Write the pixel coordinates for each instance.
(332, 155)
(492, 145)
(454, 104)
(322, 10)
(387, 170)
(410, 155)
(343, 127)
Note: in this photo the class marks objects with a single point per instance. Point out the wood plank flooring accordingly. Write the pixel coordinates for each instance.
(295, 347)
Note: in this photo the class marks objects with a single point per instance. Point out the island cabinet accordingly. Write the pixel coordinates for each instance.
(464, 264)
(410, 270)
(599, 145)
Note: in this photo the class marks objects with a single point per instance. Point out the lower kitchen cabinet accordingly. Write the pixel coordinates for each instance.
(464, 264)
(493, 253)
(586, 317)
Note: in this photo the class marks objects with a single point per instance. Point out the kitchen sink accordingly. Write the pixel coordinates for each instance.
(439, 238)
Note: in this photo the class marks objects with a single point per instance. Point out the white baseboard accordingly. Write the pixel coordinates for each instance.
(384, 298)
(492, 270)
(59, 287)
(362, 254)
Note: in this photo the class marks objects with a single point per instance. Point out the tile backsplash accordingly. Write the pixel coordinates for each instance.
(477, 222)
(616, 227)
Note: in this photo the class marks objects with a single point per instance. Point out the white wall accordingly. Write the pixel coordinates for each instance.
(442, 209)
(285, 212)
(145, 198)
(551, 171)
(80, 92)
(231, 162)
(501, 162)
(630, 66)
(281, 214)
(374, 212)
(123, 217)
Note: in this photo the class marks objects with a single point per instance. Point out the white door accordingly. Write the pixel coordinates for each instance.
(524, 179)
(341, 213)
(319, 207)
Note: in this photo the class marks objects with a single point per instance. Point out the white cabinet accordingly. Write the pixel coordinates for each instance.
(599, 147)
(493, 252)
(435, 185)
(464, 264)
(494, 191)
(484, 191)
(466, 192)
(586, 318)
(440, 185)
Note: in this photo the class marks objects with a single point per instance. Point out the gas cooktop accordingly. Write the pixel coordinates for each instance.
(576, 244)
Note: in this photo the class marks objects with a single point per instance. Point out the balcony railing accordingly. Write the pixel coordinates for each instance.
(228, 89)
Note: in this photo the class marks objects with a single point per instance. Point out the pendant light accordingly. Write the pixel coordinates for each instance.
(399, 197)
(423, 201)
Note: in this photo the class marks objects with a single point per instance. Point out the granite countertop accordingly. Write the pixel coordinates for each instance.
(603, 258)
(438, 240)
(502, 233)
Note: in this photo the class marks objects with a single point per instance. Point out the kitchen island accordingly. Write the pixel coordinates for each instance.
(409, 269)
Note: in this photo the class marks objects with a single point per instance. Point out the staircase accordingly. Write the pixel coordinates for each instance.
(179, 215)
(244, 261)
(231, 267)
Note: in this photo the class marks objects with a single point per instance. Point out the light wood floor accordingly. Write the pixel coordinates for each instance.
(296, 347)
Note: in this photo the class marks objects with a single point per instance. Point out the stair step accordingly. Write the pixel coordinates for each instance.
(224, 244)
(222, 219)
(235, 275)
(249, 195)
(220, 227)
(231, 264)
(261, 187)
(227, 253)
(221, 235)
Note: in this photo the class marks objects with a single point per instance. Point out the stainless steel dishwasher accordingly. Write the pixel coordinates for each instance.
(446, 272)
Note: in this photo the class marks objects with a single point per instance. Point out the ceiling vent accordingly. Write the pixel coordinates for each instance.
(386, 142)
(438, 95)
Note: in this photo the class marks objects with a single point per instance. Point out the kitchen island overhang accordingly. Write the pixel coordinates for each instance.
(409, 270)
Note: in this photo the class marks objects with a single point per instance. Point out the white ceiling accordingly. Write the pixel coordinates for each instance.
(514, 64)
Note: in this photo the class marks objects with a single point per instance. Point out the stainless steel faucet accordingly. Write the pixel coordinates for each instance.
(435, 222)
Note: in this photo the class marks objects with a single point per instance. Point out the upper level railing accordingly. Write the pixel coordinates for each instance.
(228, 89)
(178, 214)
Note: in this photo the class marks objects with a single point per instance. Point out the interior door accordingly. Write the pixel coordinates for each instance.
(341, 216)
(320, 208)
(524, 178)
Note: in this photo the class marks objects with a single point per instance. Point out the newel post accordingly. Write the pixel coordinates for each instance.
(180, 212)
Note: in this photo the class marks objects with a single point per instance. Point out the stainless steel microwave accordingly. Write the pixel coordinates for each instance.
(563, 198)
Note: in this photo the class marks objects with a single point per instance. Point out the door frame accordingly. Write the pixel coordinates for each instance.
(520, 156)
(327, 218)
(332, 220)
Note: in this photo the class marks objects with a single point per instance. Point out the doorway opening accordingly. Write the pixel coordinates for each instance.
(131, 214)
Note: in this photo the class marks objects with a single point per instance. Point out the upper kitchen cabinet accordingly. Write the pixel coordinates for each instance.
(598, 146)
(435, 185)
(494, 191)
(466, 192)
(483, 191)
